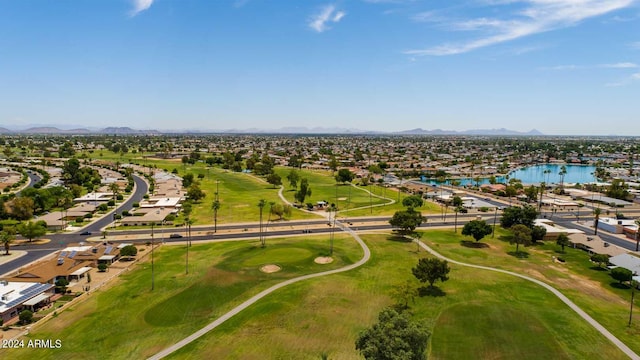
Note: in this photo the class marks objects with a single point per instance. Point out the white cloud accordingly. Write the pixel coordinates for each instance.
(328, 14)
(140, 6)
(533, 17)
(635, 45)
(635, 76)
(622, 65)
(563, 67)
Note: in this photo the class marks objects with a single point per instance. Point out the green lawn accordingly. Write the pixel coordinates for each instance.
(485, 313)
(130, 321)
(578, 278)
(488, 329)
(324, 187)
(324, 316)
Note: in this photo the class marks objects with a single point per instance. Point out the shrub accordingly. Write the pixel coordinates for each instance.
(26, 317)
(102, 267)
(621, 274)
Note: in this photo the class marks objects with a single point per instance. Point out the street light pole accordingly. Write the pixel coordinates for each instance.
(152, 267)
(186, 270)
(495, 217)
(633, 288)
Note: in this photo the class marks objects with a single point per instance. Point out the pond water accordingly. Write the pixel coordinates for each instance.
(536, 174)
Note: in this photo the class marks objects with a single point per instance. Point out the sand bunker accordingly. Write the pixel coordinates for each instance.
(323, 260)
(271, 268)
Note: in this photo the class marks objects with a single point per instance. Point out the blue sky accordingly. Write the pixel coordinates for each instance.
(560, 66)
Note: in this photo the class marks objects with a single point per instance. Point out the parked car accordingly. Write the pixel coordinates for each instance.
(175, 236)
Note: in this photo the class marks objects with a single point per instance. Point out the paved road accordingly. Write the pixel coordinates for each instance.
(58, 241)
(557, 293)
(254, 299)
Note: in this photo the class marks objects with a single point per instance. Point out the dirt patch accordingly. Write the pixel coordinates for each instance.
(271, 268)
(323, 260)
(587, 286)
(576, 282)
(34, 242)
(222, 277)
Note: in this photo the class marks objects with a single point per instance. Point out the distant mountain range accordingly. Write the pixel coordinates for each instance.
(284, 130)
(79, 131)
(501, 131)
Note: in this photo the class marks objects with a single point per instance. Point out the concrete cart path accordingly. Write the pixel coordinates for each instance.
(255, 298)
(557, 293)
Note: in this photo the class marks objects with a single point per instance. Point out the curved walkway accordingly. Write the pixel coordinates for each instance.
(557, 293)
(255, 298)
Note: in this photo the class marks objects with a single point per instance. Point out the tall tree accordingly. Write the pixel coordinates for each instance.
(563, 240)
(274, 179)
(22, 208)
(7, 237)
(406, 221)
(32, 230)
(395, 336)
(621, 274)
(303, 192)
(194, 193)
(115, 189)
(215, 206)
(596, 220)
(563, 172)
(412, 201)
(477, 228)
(431, 269)
(520, 234)
(344, 176)
(515, 215)
(261, 204)
(293, 177)
(457, 207)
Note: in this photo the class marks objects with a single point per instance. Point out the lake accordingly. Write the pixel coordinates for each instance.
(536, 174)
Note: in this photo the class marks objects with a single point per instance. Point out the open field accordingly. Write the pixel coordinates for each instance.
(578, 278)
(129, 321)
(317, 316)
(325, 315)
(324, 187)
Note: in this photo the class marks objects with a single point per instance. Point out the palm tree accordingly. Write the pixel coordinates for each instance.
(563, 172)
(543, 186)
(333, 208)
(114, 189)
(6, 238)
(215, 206)
(596, 213)
(637, 234)
(261, 205)
(457, 203)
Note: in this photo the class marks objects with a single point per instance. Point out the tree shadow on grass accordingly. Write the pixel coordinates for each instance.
(519, 254)
(559, 252)
(505, 238)
(598, 268)
(399, 238)
(473, 244)
(617, 285)
(431, 291)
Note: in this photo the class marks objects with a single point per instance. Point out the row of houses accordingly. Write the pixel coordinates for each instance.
(33, 286)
